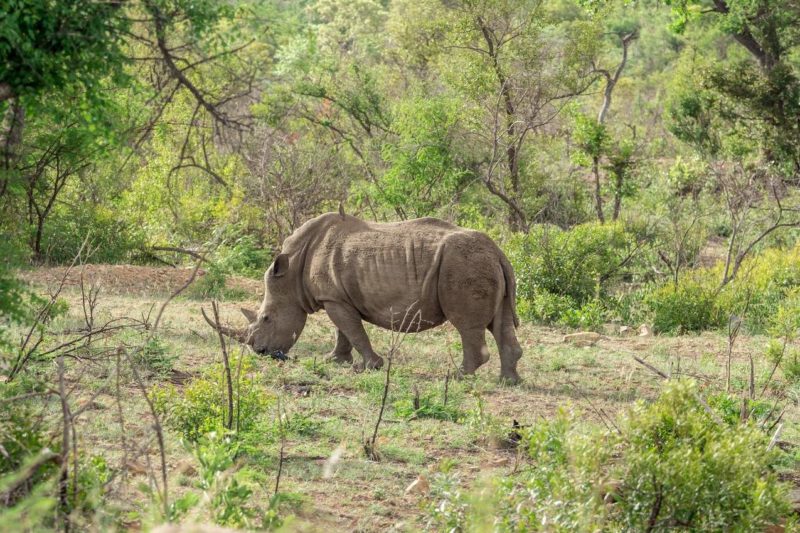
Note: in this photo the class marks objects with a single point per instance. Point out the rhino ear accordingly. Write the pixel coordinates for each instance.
(248, 314)
(280, 266)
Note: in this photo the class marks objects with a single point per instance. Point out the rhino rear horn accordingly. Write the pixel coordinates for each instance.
(239, 335)
(248, 314)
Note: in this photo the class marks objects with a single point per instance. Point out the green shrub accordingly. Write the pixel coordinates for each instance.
(200, 406)
(110, 238)
(210, 285)
(228, 496)
(563, 275)
(689, 306)
(14, 297)
(729, 407)
(764, 282)
(590, 315)
(244, 257)
(155, 357)
(670, 466)
(93, 476)
(545, 307)
(785, 327)
(21, 434)
(430, 405)
(706, 476)
(698, 302)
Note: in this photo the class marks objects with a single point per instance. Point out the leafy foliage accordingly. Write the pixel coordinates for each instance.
(690, 306)
(198, 409)
(48, 45)
(670, 466)
(562, 274)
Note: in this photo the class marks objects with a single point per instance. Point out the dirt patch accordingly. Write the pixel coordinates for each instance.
(131, 279)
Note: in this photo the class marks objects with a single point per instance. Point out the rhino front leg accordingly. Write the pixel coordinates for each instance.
(343, 351)
(347, 319)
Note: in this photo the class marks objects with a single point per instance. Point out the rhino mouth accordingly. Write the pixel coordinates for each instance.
(278, 355)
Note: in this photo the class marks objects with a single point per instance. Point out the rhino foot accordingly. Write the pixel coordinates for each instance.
(510, 378)
(370, 364)
(341, 358)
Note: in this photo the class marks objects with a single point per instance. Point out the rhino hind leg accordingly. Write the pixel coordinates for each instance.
(343, 351)
(476, 353)
(348, 321)
(506, 337)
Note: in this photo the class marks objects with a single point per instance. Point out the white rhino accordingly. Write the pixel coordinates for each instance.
(405, 276)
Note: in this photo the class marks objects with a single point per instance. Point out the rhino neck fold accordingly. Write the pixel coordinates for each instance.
(305, 299)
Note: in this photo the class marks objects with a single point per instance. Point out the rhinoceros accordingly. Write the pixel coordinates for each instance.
(405, 276)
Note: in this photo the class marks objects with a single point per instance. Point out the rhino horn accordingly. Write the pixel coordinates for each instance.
(248, 314)
(239, 335)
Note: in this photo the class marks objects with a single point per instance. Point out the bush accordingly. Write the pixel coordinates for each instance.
(201, 406)
(697, 302)
(764, 282)
(706, 476)
(21, 433)
(16, 301)
(228, 495)
(689, 306)
(210, 285)
(430, 405)
(244, 257)
(563, 276)
(785, 327)
(155, 357)
(110, 239)
(591, 315)
(671, 466)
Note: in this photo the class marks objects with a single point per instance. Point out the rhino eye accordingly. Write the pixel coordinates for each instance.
(265, 319)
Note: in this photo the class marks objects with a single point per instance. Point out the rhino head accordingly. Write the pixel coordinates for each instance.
(277, 324)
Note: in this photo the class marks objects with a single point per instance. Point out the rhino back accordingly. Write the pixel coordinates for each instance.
(383, 270)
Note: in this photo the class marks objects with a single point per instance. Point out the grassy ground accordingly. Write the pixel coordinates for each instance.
(330, 407)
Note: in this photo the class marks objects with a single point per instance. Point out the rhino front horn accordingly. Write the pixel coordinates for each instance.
(236, 334)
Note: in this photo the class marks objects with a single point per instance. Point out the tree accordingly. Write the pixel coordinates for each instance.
(755, 95)
(740, 111)
(595, 140)
(515, 65)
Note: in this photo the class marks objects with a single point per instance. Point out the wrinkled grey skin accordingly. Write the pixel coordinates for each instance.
(404, 276)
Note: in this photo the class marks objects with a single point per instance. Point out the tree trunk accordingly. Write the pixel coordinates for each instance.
(617, 197)
(10, 140)
(598, 193)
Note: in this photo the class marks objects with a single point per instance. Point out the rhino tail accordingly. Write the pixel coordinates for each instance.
(511, 287)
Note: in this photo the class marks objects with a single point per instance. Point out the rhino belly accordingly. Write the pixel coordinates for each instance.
(385, 280)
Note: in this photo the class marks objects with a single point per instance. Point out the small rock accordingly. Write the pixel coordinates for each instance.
(135, 468)
(499, 462)
(92, 405)
(582, 338)
(644, 330)
(418, 486)
(186, 468)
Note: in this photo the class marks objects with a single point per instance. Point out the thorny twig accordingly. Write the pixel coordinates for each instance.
(398, 335)
(226, 366)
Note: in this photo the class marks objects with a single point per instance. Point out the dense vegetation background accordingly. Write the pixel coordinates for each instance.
(639, 161)
(637, 140)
